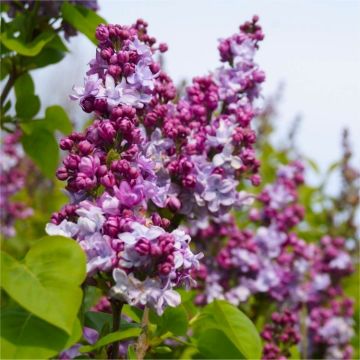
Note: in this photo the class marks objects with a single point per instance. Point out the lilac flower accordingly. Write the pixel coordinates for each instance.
(92, 87)
(219, 192)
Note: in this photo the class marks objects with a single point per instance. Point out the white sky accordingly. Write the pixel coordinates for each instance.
(311, 46)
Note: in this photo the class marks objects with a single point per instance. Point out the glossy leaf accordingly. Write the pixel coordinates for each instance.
(234, 324)
(24, 85)
(28, 49)
(82, 19)
(173, 320)
(25, 336)
(57, 119)
(214, 344)
(47, 283)
(27, 106)
(42, 147)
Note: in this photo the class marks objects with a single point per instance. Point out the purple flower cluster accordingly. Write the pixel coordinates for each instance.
(331, 330)
(330, 311)
(147, 162)
(280, 335)
(12, 180)
(269, 259)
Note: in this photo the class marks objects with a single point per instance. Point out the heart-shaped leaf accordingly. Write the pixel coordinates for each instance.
(233, 324)
(25, 336)
(47, 283)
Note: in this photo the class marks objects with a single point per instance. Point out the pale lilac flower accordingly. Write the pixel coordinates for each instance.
(92, 86)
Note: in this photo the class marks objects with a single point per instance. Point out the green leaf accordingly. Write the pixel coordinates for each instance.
(47, 283)
(131, 355)
(214, 344)
(173, 320)
(234, 324)
(57, 119)
(25, 336)
(46, 57)
(110, 338)
(133, 313)
(82, 19)
(24, 85)
(27, 106)
(28, 49)
(42, 147)
(97, 320)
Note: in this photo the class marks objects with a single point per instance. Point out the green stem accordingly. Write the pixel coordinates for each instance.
(143, 341)
(116, 307)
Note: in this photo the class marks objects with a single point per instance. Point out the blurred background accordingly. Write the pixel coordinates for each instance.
(310, 51)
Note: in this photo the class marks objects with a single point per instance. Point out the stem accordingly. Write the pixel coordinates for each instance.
(116, 307)
(142, 343)
(9, 84)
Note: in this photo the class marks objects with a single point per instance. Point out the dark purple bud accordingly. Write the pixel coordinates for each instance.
(87, 104)
(189, 181)
(163, 47)
(100, 105)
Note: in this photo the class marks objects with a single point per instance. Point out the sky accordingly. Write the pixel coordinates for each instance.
(311, 47)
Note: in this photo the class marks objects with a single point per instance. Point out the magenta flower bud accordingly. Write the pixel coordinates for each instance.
(102, 33)
(100, 105)
(173, 204)
(114, 70)
(85, 147)
(156, 219)
(189, 181)
(165, 223)
(116, 113)
(83, 182)
(259, 76)
(143, 246)
(108, 180)
(155, 250)
(123, 57)
(128, 69)
(124, 34)
(165, 268)
(106, 131)
(66, 144)
(163, 47)
(71, 161)
(112, 227)
(75, 136)
(62, 173)
(133, 173)
(120, 166)
(101, 170)
(126, 126)
(113, 59)
(185, 166)
(255, 179)
(106, 53)
(155, 68)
